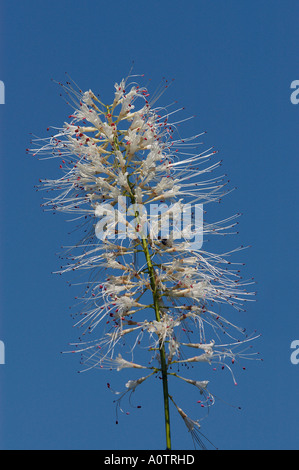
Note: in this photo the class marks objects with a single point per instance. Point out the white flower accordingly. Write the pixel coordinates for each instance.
(123, 364)
(138, 119)
(206, 357)
(126, 102)
(120, 88)
(88, 98)
(133, 384)
(192, 426)
(208, 348)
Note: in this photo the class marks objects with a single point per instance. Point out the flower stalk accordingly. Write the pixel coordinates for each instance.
(156, 305)
(155, 294)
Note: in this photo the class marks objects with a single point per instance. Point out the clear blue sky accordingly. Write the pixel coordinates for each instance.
(233, 63)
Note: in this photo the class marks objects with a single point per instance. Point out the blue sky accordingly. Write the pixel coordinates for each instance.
(233, 63)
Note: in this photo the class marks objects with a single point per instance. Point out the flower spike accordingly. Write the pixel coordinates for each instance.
(137, 190)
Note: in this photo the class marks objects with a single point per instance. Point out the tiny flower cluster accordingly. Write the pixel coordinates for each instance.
(143, 291)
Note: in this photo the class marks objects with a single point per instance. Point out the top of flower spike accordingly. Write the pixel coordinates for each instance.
(103, 143)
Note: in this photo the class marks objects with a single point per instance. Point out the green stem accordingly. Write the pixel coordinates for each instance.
(155, 294)
(162, 348)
